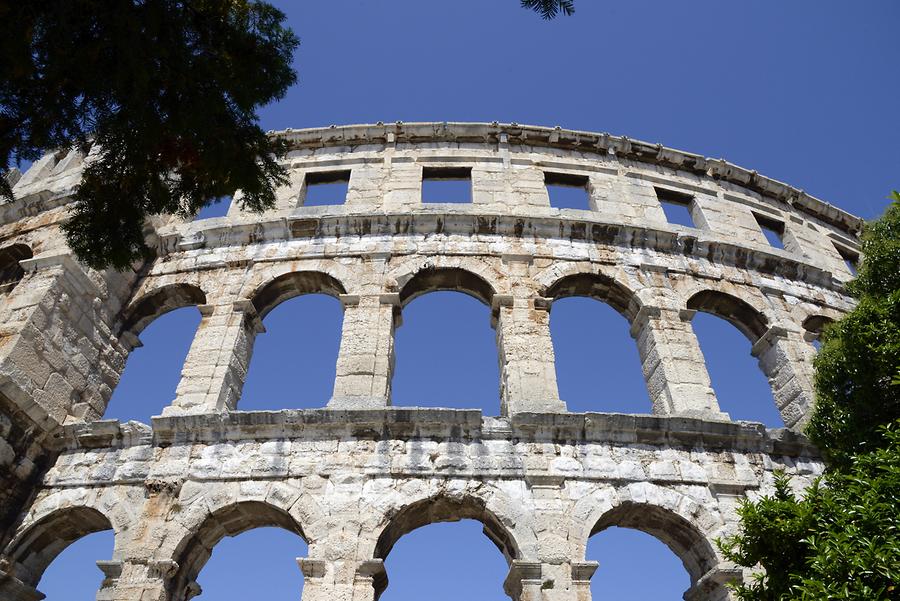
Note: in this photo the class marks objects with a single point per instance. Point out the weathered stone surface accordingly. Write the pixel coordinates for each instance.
(355, 476)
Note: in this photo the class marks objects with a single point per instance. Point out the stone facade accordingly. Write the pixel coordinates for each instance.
(353, 477)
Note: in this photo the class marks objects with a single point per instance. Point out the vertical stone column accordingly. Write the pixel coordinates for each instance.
(527, 368)
(141, 579)
(713, 586)
(365, 362)
(217, 362)
(325, 580)
(786, 359)
(545, 581)
(673, 364)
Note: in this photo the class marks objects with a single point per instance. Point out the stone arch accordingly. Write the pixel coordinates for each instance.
(11, 273)
(38, 544)
(421, 275)
(454, 279)
(751, 322)
(437, 509)
(440, 508)
(677, 533)
(291, 284)
(158, 301)
(813, 326)
(194, 550)
(597, 286)
(678, 521)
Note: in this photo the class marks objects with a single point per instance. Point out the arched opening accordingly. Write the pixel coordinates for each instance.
(449, 561)
(446, 351)
(295, 283)
(626, 557)
(420, 549)
(598, 367)
(726, 328)
(257, 564)
(636, 539)
(11, 273)
(74, 573)
(165, 322)
(293, 361)
(259, 556)
(813, 327)
(58, 554)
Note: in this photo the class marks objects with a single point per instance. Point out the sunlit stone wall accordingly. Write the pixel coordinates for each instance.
(354, 476)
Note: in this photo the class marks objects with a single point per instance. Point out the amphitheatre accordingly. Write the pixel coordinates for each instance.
(354, 476)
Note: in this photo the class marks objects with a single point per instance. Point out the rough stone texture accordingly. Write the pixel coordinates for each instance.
(355, 476)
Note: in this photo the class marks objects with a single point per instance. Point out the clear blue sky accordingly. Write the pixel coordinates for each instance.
(803, 91)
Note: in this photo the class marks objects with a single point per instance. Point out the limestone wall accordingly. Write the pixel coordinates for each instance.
(354, 476)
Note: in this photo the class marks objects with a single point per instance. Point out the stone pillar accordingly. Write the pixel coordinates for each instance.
(365, 362)
(325, 580)
(786, 359)
(713, 586)
(217, 362)
(673, 364)
(543, 581)
(527, 368)
(147, 580)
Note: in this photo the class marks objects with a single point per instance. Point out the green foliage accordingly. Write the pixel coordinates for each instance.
(549, 9)
(167, 89)
(841, 541)
(860, 355)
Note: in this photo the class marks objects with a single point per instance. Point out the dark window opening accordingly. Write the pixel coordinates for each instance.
(218, 207)
(851, 259)
(326, 188)
(447, 184)
(567, 191)
(772, 229)
(11, 272)
(677, 206)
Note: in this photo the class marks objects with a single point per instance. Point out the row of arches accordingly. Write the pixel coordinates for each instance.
(409, 534)
(313, 342)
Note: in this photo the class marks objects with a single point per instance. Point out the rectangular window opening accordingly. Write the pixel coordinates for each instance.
(851, 259)
(326, 188)
(772, 229)
(217, 208)
(447, 184)
(677, 206)
(567, 191)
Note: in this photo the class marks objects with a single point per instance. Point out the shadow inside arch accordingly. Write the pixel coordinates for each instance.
(140, 313)
(454, 279)
(739, 313)
(599, 287)
(291, 284)
(683, 538)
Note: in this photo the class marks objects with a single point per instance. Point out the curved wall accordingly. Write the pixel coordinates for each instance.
(541, 479)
